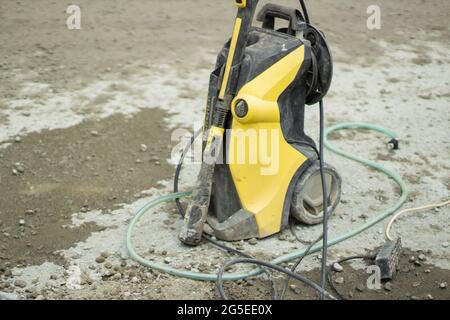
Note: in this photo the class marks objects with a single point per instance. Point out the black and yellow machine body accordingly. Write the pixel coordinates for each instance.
(254, 135)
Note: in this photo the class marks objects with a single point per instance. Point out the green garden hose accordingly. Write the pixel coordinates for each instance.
(296, 254)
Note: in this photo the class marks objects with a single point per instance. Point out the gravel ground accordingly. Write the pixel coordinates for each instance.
(88, 121)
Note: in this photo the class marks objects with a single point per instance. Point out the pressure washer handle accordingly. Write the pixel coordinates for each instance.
(242, 25)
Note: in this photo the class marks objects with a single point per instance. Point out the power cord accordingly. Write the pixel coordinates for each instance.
(396, 216)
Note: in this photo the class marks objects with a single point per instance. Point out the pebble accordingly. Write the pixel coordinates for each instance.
(412, 259)
(416, 284)
(443, 285)
(100, 259)
(20, 283)
(17, 139)
(108, 265)
(94, 133)
(22, 222)
(18, 168)
(445, 245)
(253, 242)
(295, 289)
(430, 297)
(337, 267)
(105, 254)
(30, 212)
(339, 280)
(144, 148)
(388, 286)
(422, 257)
(167, 260)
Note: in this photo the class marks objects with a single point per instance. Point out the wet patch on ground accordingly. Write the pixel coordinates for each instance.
(46, 177)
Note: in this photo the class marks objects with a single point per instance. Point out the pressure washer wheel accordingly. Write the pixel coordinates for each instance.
(307, 202)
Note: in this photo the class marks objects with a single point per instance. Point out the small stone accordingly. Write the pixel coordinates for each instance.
(416, 284)
(100, 259)
(427, 271)
(22, 222)
(108, 265)
(151, 250)
(445, 244)
(388, 286)
(443, 285)
(360, 287)
(253, 242)
(339, 280)
(18, 139)
(430, 297)
(164, 253)
(105, 254)
(295, 289)
(337, 267)
(144, 148)
(412, 259)
(167, 261)
(94, 133)
(422, 257)
(415, 298)
(154, 159)
(30, 212)
(20, 283)
(19, 168)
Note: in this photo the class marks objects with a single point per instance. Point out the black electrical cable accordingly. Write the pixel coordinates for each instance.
(323, 276)
(305, 11)
(295, 267)
(269, 265)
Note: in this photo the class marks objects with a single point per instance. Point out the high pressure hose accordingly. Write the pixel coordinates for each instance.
(295, 254)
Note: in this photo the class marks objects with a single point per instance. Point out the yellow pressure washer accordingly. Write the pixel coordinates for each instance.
(259, 167)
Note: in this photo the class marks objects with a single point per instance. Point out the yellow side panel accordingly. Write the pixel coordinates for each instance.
(262, 185)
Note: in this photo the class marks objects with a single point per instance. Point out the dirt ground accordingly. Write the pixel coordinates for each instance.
(86, 124)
